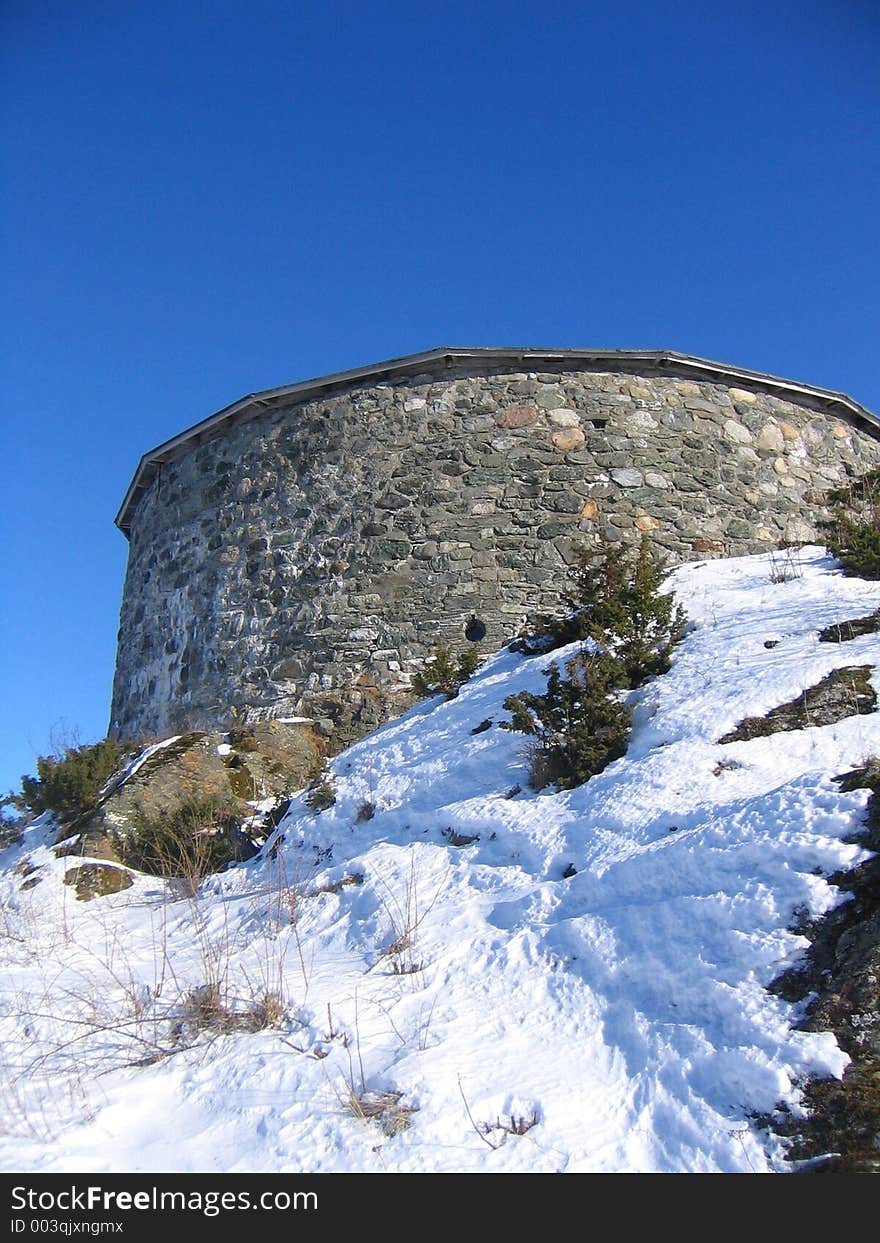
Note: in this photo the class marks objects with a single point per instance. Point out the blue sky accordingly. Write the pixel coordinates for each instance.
(203, 199)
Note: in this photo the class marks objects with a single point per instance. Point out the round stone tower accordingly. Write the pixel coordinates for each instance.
(299, 552)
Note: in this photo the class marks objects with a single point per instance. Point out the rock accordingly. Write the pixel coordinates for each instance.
(640, 421)
(746, 454)
(840, 431)
(395, 500)
(552, 530)
(653, 479)
(568, 438)
(853, 628)
(843, 693)
(856, 974)
(789, 432)
(96, 880)
(839, 979)
(736, 433)
(264, 759)
(742, 396)
(770, 437)
(565, 503)
(389, 549)
(799, 532)
(628, 477)
(590, 510)
(563, 417)
(645, 523)
(517, 416)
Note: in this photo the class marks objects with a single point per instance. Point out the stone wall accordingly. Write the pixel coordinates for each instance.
(302, 561)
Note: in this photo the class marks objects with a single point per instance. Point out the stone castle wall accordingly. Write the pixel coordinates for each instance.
(303, 561)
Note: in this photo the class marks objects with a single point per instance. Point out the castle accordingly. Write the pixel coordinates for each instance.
(297, 553)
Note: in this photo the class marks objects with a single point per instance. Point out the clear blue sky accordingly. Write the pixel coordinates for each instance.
(203, 199)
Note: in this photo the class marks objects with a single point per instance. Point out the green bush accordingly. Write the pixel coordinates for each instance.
(200, 835)
(68, 784)
(579, 725)
(627, 613)
(10, 827)
(445, 673)
(615, 600)
(628, 628)
(852, 532)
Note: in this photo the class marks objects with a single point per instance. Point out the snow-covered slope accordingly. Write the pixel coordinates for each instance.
(592, 962)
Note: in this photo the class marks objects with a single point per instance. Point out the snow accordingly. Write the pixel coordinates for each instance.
(625, 1008)
(136, 762)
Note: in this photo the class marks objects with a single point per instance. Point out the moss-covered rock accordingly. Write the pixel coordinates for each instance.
(241, 782)
(265, 760)
(843, 693)
(96, 880)
(854, 628)
(279, 757)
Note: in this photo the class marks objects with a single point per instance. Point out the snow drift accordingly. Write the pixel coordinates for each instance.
(464, 974)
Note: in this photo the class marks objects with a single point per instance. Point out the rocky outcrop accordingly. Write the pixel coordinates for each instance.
(841, 976)
(853, 628)
(844, 692)
(96, 880)
(263, 762)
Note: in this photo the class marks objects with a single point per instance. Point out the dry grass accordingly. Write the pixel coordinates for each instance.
(785, 564)
(514, 1124)
(406, 913)
(184, 845)
(204, 1009)
(385, 1108)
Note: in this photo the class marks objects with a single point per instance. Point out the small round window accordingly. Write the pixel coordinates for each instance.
(475, 630)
